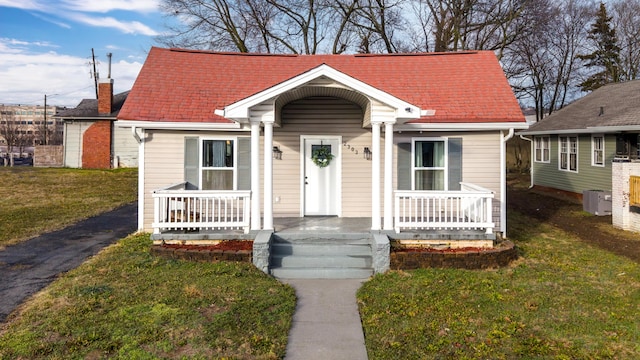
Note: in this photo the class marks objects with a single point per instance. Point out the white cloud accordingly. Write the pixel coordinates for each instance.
(51, 20)
(102, 6)
(105, 6)
(78, 10)
(28, 76)
(127, 27)
(23, 4)
(14, 45)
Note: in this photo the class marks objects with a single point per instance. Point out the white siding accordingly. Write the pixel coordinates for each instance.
(125, 147)
(164, 162)
(73, 133)
(480, 160)
(323, 116)
(164, 156)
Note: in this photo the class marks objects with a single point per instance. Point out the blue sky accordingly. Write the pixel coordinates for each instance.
(45, 46)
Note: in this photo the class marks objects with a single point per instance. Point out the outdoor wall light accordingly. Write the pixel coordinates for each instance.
(277, 153)
(367, 153)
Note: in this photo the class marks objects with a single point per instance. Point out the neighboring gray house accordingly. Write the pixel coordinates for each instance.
(579, 147)
(90, 139)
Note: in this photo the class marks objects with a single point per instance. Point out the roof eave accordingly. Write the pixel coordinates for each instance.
(588, 130)
(166, 125)
(75, 118)
(462, 126)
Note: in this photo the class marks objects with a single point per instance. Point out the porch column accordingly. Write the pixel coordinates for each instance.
(388, 176)
(375, 176)
(255, 175)
(268, 175)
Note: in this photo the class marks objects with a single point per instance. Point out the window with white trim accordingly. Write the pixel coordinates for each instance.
(541, 147)
(597, 150)
(429, 164)
(217, 164)
(568, 153)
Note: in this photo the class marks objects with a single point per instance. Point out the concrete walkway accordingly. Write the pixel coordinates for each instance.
(31, 265)
(326, 324)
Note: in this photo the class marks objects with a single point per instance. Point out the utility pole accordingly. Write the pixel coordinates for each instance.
(44, 138)
(95, 73)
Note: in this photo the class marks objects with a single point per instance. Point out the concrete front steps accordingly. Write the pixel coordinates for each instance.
(338, 256)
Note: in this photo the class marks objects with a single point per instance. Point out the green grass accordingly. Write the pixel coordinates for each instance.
(127, 304)
(562, 300)
(38, 200)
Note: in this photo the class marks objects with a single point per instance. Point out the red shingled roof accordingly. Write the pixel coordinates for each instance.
(187, 86)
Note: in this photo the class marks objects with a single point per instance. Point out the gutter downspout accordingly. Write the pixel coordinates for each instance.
(140, 178)
(503, 180)
(530, 160)
(135, 134)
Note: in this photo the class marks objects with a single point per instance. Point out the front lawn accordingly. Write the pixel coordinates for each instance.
(562, 300)
(39, 200)
(127, 304)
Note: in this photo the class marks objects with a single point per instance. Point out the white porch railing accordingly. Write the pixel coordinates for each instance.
(469, 208)
(177, 208)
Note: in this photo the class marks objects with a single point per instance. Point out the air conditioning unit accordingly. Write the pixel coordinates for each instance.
(597, 202)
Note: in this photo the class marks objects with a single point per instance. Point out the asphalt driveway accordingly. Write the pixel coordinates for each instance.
(28, 267)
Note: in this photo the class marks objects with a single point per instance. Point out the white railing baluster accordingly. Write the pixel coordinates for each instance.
(468, 208)
(176, 208)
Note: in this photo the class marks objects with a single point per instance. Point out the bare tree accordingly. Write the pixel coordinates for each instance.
(10, 130)
(544, 62)
(626, 21)
(377, 22)
(213, 24)
(537, 41)
(473, 24)
(342, 12)
(262, 26)
(286, 26)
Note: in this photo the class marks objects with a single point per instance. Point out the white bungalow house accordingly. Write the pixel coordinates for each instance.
(410, 145)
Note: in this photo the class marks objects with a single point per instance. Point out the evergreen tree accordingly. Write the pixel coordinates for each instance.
(606, 56)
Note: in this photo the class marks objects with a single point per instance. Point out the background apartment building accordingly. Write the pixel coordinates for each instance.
(23, 126)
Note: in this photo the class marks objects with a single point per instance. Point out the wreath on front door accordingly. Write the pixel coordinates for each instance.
(322, 156)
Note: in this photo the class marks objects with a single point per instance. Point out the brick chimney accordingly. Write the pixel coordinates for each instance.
(105, 96)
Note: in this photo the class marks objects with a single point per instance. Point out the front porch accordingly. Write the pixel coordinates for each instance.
(183, 214)
(328, 225)
(325, 246)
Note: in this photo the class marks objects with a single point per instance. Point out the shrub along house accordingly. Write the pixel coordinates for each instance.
(410, 145)
(589, 149)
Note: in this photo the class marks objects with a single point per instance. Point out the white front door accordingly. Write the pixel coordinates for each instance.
(321, 184)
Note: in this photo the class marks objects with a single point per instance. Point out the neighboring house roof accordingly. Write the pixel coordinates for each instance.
(611, 108)
(178, 85)
(88, 109)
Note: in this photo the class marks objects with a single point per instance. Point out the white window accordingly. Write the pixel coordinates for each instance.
(218, 164)
(597, 150)
(429, 164)
(568, 150)
(541, 149)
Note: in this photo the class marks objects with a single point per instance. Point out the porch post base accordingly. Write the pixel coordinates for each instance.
(261, 245)
(381, 251)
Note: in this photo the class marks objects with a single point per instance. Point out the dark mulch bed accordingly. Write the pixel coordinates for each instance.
(223, 245)
(439, 250)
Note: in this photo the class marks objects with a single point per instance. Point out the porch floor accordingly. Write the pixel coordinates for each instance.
(322, 224)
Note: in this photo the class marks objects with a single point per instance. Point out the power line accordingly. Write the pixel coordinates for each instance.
(39, 100)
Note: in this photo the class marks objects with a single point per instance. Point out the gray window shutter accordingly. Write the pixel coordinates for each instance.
(455, 163)
(244, 163)
(404, 166)
(191, 166)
